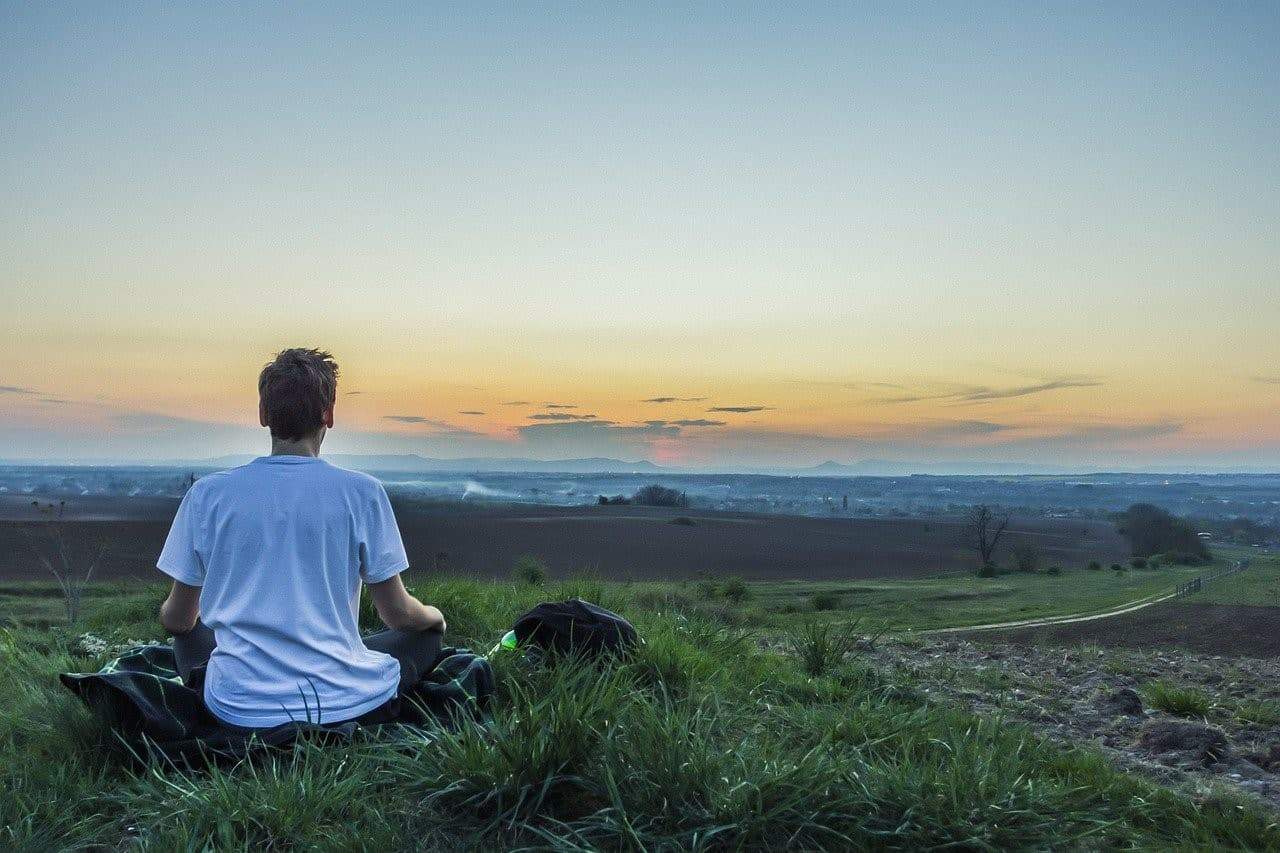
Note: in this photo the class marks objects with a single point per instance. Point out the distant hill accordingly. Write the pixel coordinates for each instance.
(412, 462)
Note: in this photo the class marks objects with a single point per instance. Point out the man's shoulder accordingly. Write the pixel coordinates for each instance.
(209, 482)
(354, 479)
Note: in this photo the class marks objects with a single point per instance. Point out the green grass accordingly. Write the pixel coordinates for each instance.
(1259, 712)
(704, 741)
(1177, 700)
(1258, 585)
(963, 599)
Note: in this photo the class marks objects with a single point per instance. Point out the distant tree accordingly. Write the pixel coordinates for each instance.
(1152, 530)
(656, 495)
(983, 528)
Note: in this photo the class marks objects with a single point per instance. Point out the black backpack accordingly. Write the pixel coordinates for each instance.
(575, 627)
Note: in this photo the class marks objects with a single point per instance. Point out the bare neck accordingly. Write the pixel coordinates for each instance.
(305, 446)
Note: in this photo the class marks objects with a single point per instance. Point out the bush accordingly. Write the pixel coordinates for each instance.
(988, 570)
(529, 570)
(1138, 563)
(656, 495)
(1026, 557)
(1053, 570)
(825, 601)
(736, 590)
(684, 521)
(1116, 567)
(707, 589)
(821, 646)
(1184, 558)
(1179, 701)
(1095, 566)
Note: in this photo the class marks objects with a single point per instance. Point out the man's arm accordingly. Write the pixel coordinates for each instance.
(181, 609)
(400, 610)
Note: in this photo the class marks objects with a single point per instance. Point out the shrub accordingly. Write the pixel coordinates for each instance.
(707, 589)
(821, 646)
(684, 521)
(988, 570)
(825, 601)
(1176, 700)
(1138, 563)
(1026, 557)
(736, 590)
(1116, 567)
(1053, 570)
(528, 569)
(1095, 566)
(655, 495)
(1183, 558)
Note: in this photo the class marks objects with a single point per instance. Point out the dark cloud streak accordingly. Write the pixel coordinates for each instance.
(561, 416)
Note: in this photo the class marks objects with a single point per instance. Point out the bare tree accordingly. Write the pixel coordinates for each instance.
(60, 562)
(983, 529)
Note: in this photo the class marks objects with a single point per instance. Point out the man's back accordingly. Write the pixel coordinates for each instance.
(280, 547)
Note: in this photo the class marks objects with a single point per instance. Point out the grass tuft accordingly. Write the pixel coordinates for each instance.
(1177, 700)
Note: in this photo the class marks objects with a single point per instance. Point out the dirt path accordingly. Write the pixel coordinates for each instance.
(1120, 610)
(1061, 620)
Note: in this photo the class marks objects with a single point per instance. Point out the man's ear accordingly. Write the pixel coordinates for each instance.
(262, 413)
(328, 418)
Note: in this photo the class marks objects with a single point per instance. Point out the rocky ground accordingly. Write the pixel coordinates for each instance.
(1196, 721)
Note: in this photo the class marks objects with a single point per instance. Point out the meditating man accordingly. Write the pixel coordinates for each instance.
(267, 561)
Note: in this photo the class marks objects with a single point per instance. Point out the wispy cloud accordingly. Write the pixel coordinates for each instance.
(1109, 433)
(470, 412)
(1267, 380)
(352, 393)
(434, 426)
(673, 400)
(982, 393)
(687, 422)
(57, 400)
(560, 416)
(944, 430)
(739, 409)
(14, 389)
(559, 406)
(596, 438)
(516, 403)
(1028, 390)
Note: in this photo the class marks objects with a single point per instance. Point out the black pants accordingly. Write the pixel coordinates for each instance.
(416, 651)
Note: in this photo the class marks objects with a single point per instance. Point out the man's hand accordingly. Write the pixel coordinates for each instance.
(400, 610)
(181, 609)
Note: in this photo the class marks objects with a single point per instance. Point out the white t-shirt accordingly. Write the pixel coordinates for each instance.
(280, 547)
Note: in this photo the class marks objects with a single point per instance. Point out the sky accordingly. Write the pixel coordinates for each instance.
(705, 236)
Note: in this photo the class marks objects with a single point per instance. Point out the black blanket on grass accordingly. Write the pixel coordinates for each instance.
(144, 700)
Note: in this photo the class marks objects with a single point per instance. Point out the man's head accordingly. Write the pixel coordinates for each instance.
(296, 392)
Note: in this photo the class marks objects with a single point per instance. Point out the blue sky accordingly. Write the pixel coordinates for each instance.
(786, 208)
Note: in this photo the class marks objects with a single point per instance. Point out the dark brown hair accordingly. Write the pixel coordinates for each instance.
(295, 388)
